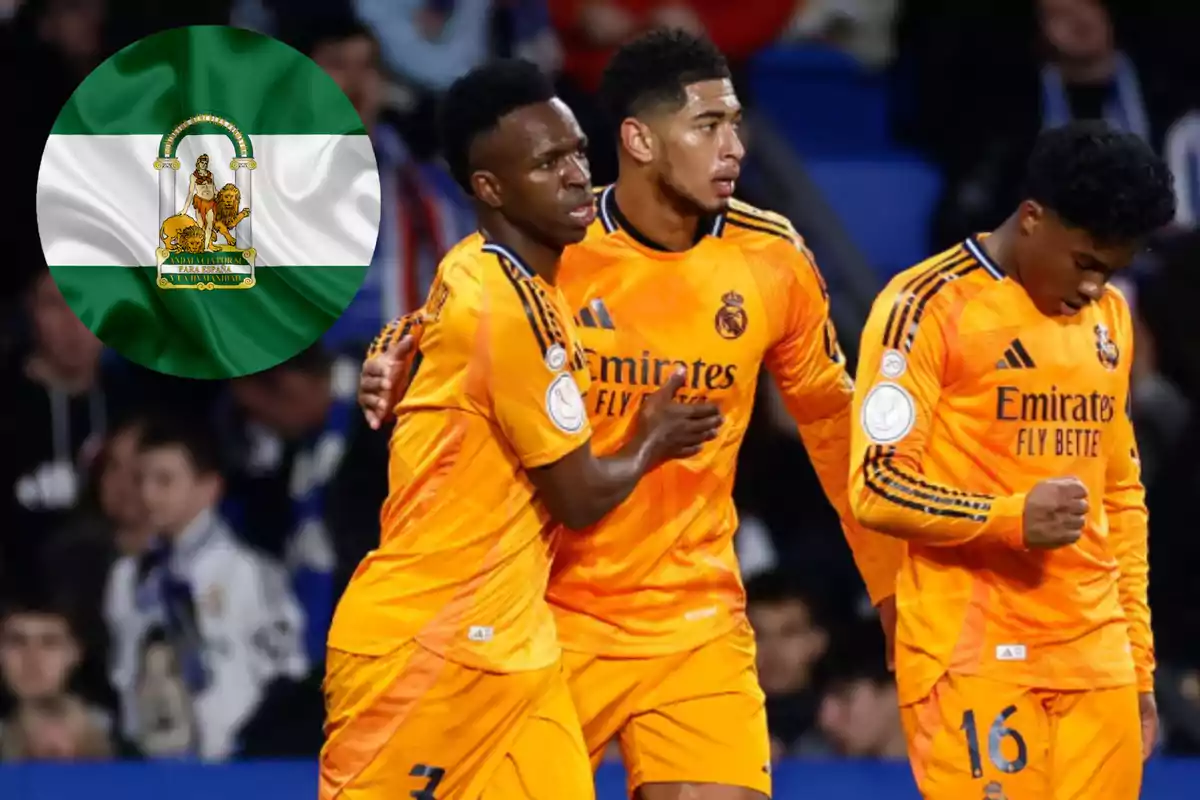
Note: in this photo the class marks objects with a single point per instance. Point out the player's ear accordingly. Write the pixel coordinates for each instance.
(1031, 215)
(637, 139)
(487, 188)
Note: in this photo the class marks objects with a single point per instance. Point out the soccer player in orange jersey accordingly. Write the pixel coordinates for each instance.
(444, 677)
(993, 435)
(649, 604)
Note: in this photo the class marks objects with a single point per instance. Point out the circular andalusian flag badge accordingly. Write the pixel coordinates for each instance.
(208, 202)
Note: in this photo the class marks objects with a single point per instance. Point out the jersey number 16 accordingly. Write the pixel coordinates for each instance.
(997, 733)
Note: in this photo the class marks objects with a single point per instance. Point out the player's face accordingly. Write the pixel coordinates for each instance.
(1064, 268)
(700, 151)
(37, 654)
(541, 180)
(172, 491)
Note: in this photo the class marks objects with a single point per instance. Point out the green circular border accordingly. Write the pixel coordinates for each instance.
(205, 332)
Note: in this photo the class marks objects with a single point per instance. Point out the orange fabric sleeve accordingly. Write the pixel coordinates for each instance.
(895, 405)
(810, 371)
(1128, 531)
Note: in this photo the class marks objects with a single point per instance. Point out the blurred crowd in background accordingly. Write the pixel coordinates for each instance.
(170, 551)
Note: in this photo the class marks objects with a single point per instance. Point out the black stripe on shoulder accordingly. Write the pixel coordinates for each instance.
(759, 225)
(907, 296)
(940, 282)
(512, 272)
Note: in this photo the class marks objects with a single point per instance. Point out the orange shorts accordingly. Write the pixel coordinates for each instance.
(692, 717)
(413, 725)
(978, 738)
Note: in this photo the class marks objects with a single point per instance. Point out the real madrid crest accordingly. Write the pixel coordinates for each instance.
(1106, 349)
(204, 238)
(731, 318)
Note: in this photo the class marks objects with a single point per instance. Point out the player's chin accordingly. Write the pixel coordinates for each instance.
(569, 232)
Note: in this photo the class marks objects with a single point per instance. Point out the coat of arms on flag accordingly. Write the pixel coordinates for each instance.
(198, 241)
(208, 158)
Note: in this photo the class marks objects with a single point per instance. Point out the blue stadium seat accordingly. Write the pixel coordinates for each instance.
(823, 100)
(886, 204)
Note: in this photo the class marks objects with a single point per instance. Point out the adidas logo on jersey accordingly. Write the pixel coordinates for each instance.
(1010, 652)
(595, 315)
(1016, 357)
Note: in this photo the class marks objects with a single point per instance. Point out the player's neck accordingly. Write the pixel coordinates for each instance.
(541, 258)
(655, 215)
(999, 247)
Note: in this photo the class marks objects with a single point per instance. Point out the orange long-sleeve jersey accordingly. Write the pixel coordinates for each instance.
(465, 552)
(659, 574)
(967, 396)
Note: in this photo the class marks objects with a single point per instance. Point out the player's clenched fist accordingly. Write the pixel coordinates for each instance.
(672, 429)
(1054, 513)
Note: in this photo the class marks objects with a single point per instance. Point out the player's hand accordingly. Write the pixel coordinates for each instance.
(1148, 710)
(1054, 513)
(671, 429)
(381, 383)
(887, 618)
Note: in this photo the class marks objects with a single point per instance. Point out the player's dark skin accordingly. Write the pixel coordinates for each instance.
(533, 195)
(1063, 269)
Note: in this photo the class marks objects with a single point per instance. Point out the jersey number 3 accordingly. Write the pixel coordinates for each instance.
(433, 776)
(996, 736)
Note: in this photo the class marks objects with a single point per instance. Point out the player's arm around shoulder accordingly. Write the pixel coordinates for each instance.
(390, 358)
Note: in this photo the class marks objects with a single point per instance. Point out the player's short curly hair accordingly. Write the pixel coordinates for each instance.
(1106, 182)
(476, 102)
(655, 70)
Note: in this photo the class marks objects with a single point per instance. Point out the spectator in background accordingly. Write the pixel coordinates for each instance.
(110, 522)
(39, 654)
(201, 625)
(859, 714)
(60, 398)
(308, 476)
(429, 43)
(591, 30)
(861, 28)
(1004, 91)
(792, 639)
(422, 211)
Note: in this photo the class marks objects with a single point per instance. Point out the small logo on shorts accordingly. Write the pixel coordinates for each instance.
(1010, 652)
(994, 791)
(480, 633)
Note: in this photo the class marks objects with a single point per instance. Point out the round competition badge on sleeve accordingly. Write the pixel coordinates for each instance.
(564, 404)
(888, 413)
(893, 364)
(208, 202)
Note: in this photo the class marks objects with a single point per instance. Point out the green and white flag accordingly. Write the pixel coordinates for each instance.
(208, 202)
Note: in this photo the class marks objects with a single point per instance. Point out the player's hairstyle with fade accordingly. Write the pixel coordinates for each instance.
(476, 102)
(1106, 182)
(654, 71)
(197, 443)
